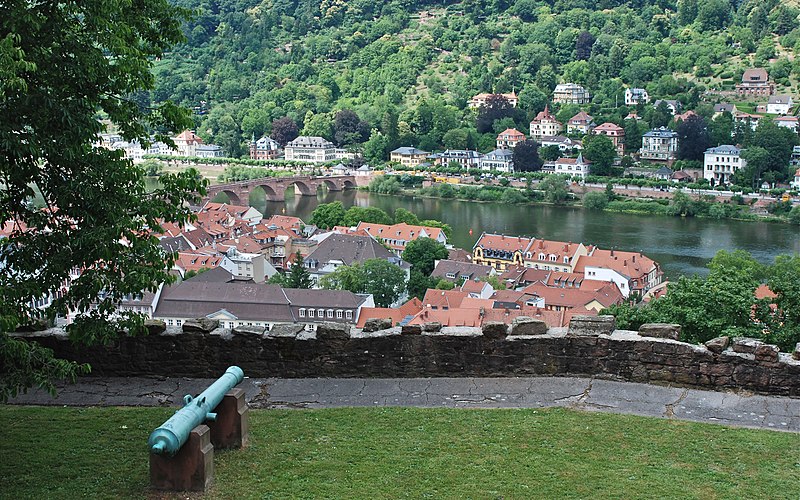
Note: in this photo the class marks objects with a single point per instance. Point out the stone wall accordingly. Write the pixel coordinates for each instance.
(590, 347)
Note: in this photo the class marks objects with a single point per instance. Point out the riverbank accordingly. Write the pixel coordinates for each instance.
(675, 205)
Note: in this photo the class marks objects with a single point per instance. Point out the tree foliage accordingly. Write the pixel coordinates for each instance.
(328, 215)
(693, 139)
(526, 156)
(60, 66)
(422, 254)
(384, 280)
(284, 131)
(599, 150)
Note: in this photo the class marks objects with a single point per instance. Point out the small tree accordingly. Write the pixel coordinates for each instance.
(284, 131)
(693, 138)
(328, 215)
(422, 252)
(298, 276)
(599, 150)
(526, 156)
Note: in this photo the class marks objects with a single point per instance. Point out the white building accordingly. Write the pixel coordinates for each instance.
(721, 162)
(576, 167)
(564, 144)
(265, 148)
(796, 182)
(501, 160)
(789, 122)
(465, 157)
(545, 125)
(311, 149)
(209, 151)
(570, 93)
(635, 96)
(248, 266)
(779, 104)
(659, 144)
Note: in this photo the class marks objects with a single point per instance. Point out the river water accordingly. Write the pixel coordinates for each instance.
(683, 246)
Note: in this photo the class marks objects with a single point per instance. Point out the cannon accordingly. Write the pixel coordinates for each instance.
(172, 434)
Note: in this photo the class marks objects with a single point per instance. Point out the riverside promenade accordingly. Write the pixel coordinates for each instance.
(739, 409)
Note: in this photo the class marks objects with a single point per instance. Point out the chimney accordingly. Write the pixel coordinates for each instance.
(633, 259)
(612, 252)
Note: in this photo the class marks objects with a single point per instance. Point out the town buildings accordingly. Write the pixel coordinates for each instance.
(755, 82)
(545, 125)
(574, 167)
(581, 123)
(310, 149)
(264, 149)
(673, 106)
(790, 122)
(479, 100)
(779, 104)
(501, 160)
(615, 133)
(338, 250)
(398, 236)
(659, 144)
(564, 144)
(509, 138)
(634, 96)
(570, 93)
(409, 156)
(720, 163)
(464, 157)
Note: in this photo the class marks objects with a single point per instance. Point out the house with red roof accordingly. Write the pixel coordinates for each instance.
(615, 133)
(581, 123)
(509, 138)
(397, 236)
(632, 272)
(545, 125)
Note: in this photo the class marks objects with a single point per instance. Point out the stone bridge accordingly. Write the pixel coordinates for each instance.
(275, 187)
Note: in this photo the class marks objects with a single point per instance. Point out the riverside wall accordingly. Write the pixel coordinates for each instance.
(590, 347)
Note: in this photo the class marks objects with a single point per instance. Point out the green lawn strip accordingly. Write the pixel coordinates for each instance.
(406, 452)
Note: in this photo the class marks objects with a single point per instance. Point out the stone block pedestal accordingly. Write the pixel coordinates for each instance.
(191, 469)
(232, 428)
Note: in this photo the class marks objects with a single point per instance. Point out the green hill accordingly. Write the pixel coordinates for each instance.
(407, 68)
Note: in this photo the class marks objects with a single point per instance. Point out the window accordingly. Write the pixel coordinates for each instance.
(330, 313)
(348, 314)
(321, 313)
(169, 322)
(178, 322)
(553, 258)
(310, 313)
(338, 314)
(302, 312)
(451, 275)
(230, 324)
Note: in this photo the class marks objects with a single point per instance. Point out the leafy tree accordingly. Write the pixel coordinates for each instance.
(721, 129)
(687, 11)
(373, 215)
(661, 116)
(384, 280)
(526, 156)
(713, 14)
(62, 65)
(555, 189)
(328, 215)
(595, 201)
(419, 283)
(599, 150)
(403, 215)
(550, 153)
(495, 282)
(152, 168)
(583, 46)
(422, 254)
(693, 138)
(299, 276)
(777, 142)
(633, 135)
(757, 163)
(376, 149)
(495, 108)
(348, 128)
(681, 204)
(284, 131)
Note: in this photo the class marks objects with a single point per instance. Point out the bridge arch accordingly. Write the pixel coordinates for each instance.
(233, 196)
(270, 192)
(331, 185)
(305, 188)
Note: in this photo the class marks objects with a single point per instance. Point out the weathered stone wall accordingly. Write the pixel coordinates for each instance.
(591, 347)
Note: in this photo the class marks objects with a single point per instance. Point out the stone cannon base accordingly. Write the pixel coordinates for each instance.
(232, 427)
(191, 469)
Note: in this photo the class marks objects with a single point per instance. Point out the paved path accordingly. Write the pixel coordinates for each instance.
(767, 412)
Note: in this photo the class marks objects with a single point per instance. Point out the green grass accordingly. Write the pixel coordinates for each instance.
(405, 452)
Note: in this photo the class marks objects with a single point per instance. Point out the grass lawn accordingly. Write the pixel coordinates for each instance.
(404, 452)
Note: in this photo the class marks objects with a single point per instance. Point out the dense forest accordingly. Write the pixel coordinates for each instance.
(407, 68)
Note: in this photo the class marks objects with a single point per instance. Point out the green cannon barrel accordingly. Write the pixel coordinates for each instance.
(172, 434)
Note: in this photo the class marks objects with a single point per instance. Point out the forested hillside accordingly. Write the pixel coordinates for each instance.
(407, 68)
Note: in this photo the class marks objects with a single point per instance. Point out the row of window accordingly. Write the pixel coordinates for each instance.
(322, 313)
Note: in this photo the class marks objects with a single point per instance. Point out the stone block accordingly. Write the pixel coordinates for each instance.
(249, 330)
(155, 326)
(411, 330)
(767, 353)
(592, 325)
(796, 352)
(191, 469)
(332, 330)
(231, 429)
(432, 326)
(661, 330)
(746, 345)
(718, 344)
(200, 325)
(285, 330)
(525, 325)
(377, 324)
(495, 330)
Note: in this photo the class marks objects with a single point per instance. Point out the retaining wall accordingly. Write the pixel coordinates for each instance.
(496, 351)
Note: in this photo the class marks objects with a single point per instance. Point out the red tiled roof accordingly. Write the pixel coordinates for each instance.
(443, 298)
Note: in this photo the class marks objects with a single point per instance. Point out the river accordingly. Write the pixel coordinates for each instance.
(683, 246)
